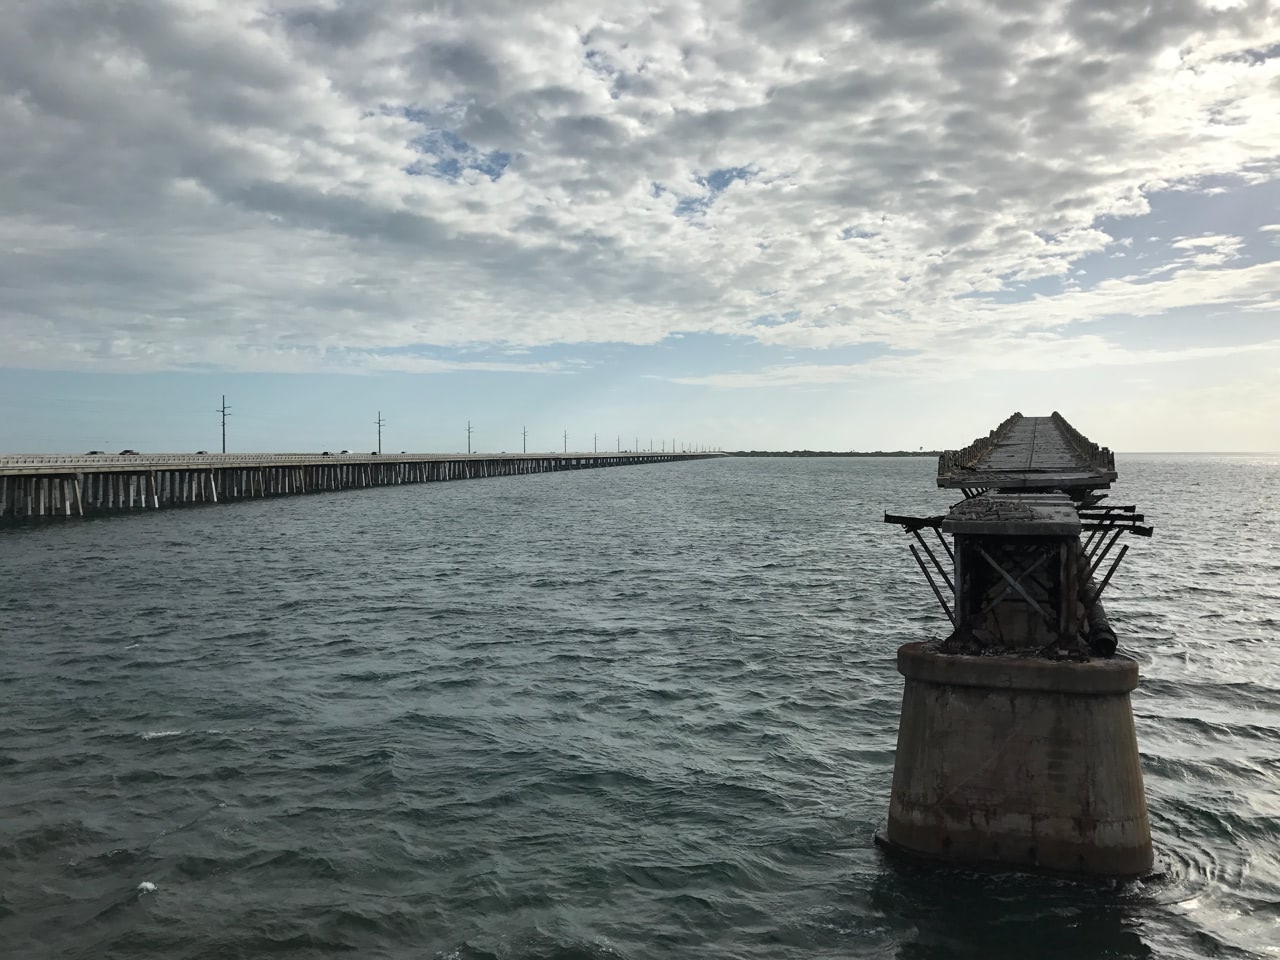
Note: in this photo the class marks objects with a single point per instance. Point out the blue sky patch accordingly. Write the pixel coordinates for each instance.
(715, 183)
(448, 156)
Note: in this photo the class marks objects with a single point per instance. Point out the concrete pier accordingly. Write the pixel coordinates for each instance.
(76, 486)
(1016, 742)
(1019, 761)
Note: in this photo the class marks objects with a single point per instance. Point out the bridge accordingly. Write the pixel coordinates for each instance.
(1016, 743)
(1030, 537)
(1029, 453)
(34, 486)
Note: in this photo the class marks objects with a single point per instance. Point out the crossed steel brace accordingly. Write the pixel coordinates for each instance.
(1015, 583)
(1104, 526)
(914, 525)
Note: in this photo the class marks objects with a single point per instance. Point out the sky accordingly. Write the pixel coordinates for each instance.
(763, 224)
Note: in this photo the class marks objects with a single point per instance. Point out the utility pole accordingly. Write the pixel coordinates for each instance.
(566, 441)
(380, 423)
(595, 443)
(524, 439)
(223, 410)
(619, 443)
(468, 438)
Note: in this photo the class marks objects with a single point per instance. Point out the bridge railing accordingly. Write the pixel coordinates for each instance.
(964, 459)
(1100, 458)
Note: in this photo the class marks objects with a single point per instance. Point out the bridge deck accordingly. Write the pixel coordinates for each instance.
(1029, 453)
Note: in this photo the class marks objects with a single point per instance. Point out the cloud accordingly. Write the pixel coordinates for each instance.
(1026, 353)
(322, 185)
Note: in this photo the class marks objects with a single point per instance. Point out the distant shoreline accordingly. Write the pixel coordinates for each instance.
(936, 453)
(833, 453)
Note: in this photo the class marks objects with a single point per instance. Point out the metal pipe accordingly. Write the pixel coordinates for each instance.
(1102, 638)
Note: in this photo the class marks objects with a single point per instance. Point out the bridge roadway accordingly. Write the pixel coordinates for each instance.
(47, 486)
(1029, 453)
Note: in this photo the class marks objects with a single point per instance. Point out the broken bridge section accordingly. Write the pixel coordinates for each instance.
(1030, 541)
(1016, 741)
(1029, 453)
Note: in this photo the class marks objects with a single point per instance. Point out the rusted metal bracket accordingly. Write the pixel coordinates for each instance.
(1097, 594)
(936, 592)
(1100, 552)
(913, 526)
(938, 566)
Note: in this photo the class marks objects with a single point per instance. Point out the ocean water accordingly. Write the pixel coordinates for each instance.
(633, 713)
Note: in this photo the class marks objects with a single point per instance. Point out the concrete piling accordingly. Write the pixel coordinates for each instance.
(1019, 761)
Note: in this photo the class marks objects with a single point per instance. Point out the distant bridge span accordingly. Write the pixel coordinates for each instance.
(75, 486)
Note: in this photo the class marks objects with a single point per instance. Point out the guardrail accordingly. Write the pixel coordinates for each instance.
(964, 459)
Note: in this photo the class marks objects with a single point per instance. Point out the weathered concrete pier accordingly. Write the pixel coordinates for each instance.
(1016, 743)
(78, 486)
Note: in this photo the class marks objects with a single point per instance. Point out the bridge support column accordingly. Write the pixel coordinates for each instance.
(1019, 761)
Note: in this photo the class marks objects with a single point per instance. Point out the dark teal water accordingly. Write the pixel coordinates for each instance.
(637, 713)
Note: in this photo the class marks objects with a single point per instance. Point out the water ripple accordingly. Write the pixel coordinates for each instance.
(629, 714)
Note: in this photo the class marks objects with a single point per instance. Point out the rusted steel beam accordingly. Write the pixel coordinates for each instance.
(933, 586)
(945, 546)
(912, 524)
(1137, 529)
(1099, 555)
(1097, 594)
(941, 571)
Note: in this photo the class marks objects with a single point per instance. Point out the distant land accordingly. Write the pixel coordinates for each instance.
(833, 453)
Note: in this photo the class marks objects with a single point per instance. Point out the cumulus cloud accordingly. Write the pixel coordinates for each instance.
(319, 185)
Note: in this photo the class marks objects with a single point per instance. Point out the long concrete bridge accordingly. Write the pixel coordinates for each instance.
(76, 486)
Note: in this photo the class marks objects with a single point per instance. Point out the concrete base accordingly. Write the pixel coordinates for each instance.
(1019, 761)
